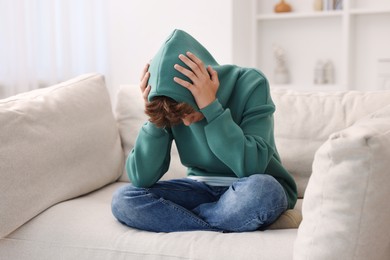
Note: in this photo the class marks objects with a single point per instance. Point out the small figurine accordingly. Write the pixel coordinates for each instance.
(324, 73)
(328, 72)
(319, 73)
(281, 74)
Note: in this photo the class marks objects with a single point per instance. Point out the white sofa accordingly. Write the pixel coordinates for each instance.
(62, 151)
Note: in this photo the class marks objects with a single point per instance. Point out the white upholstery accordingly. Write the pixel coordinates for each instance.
(346, 208)
(305, 120)
(56, 143)
(63, 142)
(84, 228)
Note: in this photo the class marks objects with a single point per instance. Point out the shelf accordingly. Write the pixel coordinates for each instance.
(354, 39)
(370, 11)
(278, 16)
(320, 14)
(309, 87)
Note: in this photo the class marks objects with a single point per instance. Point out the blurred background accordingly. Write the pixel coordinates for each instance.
(43, 42)
(312, 44)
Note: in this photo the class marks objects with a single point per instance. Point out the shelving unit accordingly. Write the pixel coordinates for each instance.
(354, 39)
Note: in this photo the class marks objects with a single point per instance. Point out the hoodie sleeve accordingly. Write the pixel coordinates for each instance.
(248, 146)
(149, 160)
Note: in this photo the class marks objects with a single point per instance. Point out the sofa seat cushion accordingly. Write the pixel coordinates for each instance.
(56, 143)
(84, 228)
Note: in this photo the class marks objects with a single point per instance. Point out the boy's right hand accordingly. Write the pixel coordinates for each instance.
(145, 88)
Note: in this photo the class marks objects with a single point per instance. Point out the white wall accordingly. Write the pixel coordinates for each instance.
(242, 29)
(58, 40)
(137, 28)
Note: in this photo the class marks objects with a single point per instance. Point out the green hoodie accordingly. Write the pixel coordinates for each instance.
(236, 137)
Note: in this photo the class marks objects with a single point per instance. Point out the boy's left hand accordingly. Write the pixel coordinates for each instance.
(205, 82)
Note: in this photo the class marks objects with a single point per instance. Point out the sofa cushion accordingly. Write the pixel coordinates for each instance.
(84, 228)
(129, 113)
(304, 121)
(346, 213)
(291, 218)
(56, 143)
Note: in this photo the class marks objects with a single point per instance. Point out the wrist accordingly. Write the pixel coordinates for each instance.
(212, 111)
(206, 103)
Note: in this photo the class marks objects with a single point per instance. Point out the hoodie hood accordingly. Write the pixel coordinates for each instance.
(162, 71)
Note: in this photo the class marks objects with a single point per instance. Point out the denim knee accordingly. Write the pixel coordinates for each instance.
(117, 202)
(121, 205)
(264, 190)
(267, 187)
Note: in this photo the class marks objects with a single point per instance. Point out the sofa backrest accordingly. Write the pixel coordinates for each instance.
(303, 122)
(56, 143)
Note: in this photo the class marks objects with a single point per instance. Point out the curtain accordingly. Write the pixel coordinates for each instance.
(43, 42)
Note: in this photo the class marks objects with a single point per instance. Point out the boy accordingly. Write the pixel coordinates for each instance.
(221, 118)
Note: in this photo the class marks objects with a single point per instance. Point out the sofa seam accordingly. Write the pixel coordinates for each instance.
(59, 86)
(363, 206)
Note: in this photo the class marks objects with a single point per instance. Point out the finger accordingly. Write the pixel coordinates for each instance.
(144, 71)
(191, 75)
(144, 81)
(197, 61)
(192, 65)
(213, 74)
(183, 83)
(145, 94)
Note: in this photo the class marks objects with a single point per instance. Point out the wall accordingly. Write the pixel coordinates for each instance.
(242, 30)
(137, 29)
(57, 40)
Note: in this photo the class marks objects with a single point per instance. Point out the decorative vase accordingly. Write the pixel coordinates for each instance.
(317, 5)
(282, 7)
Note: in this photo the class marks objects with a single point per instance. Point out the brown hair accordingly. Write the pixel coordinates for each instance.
(166, 112)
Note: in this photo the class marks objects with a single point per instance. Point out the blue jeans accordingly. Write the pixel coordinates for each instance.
(183, 205)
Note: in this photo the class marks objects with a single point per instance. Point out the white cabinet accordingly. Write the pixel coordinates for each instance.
(356, 40)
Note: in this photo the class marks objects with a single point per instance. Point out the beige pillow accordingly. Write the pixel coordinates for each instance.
(305, 120)
(129, 113)
(57, 143)
(346, 213)
(291, 218)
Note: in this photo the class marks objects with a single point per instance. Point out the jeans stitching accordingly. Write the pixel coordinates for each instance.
(256, 216)
(186, 212)
(280, 207)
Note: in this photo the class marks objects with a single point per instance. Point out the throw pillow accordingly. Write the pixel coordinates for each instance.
(346, 213)
(57, 143)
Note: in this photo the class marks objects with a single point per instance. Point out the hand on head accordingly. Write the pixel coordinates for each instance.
(205, 82)
(145, 88)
